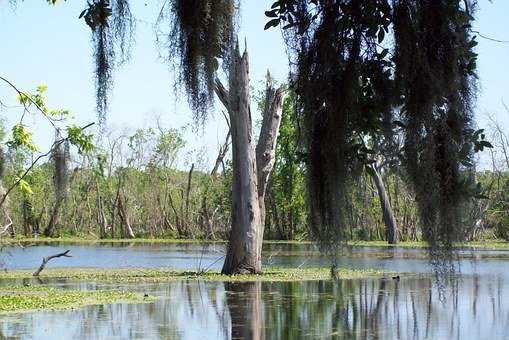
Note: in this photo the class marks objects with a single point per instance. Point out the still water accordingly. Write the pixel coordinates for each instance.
(475, 306)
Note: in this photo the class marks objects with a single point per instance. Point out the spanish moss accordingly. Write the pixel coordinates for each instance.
(340, 80)
(435, 71)
(60, 158)
(201, 35)
(354, 85)
(112, 36)
(123, 28)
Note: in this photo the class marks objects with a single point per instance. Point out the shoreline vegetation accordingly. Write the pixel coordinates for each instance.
(38, 296)
(161, 275)
(487, 244)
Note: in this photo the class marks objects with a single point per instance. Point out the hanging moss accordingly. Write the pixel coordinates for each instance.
(60, 157)
(354, 83)
(201, 34)
(341, 80)
(112, 28)
(435, 72)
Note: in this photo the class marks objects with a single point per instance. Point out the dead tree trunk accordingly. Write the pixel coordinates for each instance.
(124, 219)
(101, 217)
(220, 157)
(391, 228)
(266, 147)
(50, 228)
(9, 226)
(46, 259)
(248, 187)
(188, 191)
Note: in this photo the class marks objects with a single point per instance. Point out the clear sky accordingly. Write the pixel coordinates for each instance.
(44, 44)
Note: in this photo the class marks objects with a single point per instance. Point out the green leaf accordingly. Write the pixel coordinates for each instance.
(271, 23)
(381, 35)
(271, 14)
(486, 144)
(82, 13)
(384, 53)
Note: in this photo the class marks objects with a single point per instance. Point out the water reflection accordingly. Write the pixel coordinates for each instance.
(367, 309)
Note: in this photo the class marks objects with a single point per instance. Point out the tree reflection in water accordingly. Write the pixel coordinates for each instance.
(369, 309)
(348, 309)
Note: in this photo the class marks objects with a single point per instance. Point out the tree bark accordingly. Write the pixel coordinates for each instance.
(266, 147)
(391, 228)
(222, 153)
(188, 190)
(9, 226)
(53, 220)
(250, 174)
(243, 254)
(124, 219)
(101, 217)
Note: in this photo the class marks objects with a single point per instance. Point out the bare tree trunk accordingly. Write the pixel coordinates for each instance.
(50, 228)
(188, 191)
(9, 226)
(124, 219)
(248, 187)
(113, 205)
(243, 255)
(222, 153)
(266, 148)
(206, 219)
(101, 217)
(391, 228)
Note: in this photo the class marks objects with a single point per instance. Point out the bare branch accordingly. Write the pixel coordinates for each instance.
(222, 93)
(266, 147)
(46, 259)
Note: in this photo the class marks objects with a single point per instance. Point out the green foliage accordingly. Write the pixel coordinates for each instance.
(497, 214)
(21, 137)
(23, 149)
(80, 139)
(286, 195)
(97, 14)
(25, 188)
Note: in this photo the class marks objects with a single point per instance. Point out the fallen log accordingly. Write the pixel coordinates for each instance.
(46, 259)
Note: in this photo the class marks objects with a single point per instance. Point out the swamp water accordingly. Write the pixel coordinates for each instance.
(476, 305)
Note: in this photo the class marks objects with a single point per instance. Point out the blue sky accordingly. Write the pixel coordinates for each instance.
(44, 44)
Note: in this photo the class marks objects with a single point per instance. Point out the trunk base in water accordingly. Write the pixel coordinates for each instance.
(251, 168)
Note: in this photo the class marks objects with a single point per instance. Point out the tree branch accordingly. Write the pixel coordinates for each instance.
(222, 93)
(266, 147)
(46, 259)
(21, 93)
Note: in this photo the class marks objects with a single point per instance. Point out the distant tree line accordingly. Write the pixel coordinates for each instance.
(138, 185)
